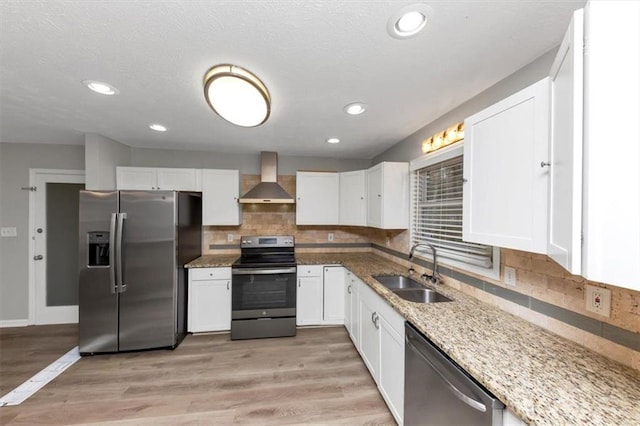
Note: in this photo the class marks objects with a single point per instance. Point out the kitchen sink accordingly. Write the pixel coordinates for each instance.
(421, 295)
(394, 282)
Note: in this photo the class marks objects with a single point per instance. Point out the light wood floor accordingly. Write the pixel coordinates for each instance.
(316, 377)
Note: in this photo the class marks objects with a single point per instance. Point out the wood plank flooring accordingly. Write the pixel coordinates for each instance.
(316, 377)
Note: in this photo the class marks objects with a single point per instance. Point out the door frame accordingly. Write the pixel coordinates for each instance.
(33, 175)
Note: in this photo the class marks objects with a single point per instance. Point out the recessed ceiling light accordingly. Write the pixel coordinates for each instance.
(333, 140)
(408, 21)
(100, 87)
(237, 95)
(157, 127)
(355, 108)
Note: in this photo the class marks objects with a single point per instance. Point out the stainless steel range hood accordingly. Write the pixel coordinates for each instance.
(268, 190)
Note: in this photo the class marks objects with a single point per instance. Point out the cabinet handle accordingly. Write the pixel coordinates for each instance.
(298, 283)
(543, 164)
(227, 285)
(376, 321)
(379, 195)
(349, 289)
(373, 317)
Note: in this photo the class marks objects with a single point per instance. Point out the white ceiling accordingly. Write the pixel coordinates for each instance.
(314, 56)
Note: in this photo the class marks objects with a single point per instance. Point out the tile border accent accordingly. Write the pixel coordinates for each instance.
(224, 246)
(333, 245)
(602, 329)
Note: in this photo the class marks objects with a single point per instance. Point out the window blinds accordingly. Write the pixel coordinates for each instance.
(437, 214)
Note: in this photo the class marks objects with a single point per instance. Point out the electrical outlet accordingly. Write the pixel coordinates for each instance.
(9, 231)
(509, 275)
(598, 300)
(230, 238)
(330, 236)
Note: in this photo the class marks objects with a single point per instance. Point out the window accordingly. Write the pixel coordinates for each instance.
(437, 214)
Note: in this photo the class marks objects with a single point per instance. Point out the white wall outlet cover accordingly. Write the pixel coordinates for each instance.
(11, 231)
(598, 300)
(330, 236)
(230, 238)
(509, 275)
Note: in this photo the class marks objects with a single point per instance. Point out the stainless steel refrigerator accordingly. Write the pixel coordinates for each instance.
(132, 283)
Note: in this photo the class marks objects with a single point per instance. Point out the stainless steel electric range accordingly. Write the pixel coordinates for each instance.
(263, 288)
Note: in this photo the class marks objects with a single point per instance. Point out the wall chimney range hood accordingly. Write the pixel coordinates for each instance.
(267, 191)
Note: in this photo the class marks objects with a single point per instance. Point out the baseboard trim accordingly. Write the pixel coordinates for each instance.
(14, 323)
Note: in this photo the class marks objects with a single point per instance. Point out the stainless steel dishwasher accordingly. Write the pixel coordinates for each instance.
(438, 392)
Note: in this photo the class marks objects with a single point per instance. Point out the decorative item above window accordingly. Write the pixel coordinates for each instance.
(453, 134)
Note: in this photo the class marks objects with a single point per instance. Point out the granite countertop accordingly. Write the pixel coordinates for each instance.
(213, 261)
(545, 379)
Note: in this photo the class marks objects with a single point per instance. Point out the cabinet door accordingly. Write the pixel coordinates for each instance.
(355, 312)
(392, 368)
(348, 293)
(374, 196)
(506, 182)
(611, 227)
(317, 198)
(309, 301)
(353, 206)
(209, 306)
(369, 334)
(220, 192)
(179, 179)
(333, 310)
(565, 186)
(136, 178)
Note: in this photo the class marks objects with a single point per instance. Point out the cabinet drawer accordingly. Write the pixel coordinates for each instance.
(310, 270)
(198, 274)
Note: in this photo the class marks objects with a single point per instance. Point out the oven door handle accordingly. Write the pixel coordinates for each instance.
(263, 271)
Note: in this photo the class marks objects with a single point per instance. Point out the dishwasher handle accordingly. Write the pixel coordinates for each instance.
(454, 390)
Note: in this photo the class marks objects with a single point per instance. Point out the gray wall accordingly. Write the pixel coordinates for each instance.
(15, 162)
(246, 163)
(410, 148)
(101, 156)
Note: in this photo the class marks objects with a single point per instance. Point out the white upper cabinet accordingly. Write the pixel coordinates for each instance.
(150, 178)
(388, 196)
(506, 172)
(566, 142)
(317, 198)
(220, 191)
(353, 203)
(611, 192)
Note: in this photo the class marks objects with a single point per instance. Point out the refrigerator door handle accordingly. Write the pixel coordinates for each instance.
(112, 253)
(122, 287)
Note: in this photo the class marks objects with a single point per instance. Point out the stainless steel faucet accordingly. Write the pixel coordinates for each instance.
(435, 277)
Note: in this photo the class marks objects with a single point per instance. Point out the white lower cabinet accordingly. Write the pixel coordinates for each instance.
(351, 307)
(381, 344)
(509, 418)
(333, 300)
(209, 300)
(309, 295)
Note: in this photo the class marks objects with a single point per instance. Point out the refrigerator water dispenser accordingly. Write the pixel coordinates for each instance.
(98, 248)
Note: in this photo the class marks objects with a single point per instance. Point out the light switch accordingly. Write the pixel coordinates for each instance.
(9, 231)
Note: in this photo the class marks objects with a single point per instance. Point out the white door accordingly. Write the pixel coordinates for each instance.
(317, 196)
(54, 245)
(374, 196)
(353, 206)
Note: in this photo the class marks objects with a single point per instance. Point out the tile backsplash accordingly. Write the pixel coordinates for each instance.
(537, 276)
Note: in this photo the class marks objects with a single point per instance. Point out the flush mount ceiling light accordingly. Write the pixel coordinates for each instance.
(355, 108)
(408, 21)
(157, 127)
(333, 140)
(237, 95)
(100, 87)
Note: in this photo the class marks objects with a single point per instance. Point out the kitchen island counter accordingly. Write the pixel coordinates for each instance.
(542, 377)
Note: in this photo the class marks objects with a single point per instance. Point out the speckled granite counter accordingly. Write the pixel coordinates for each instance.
(213, 261)
(545, 379)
